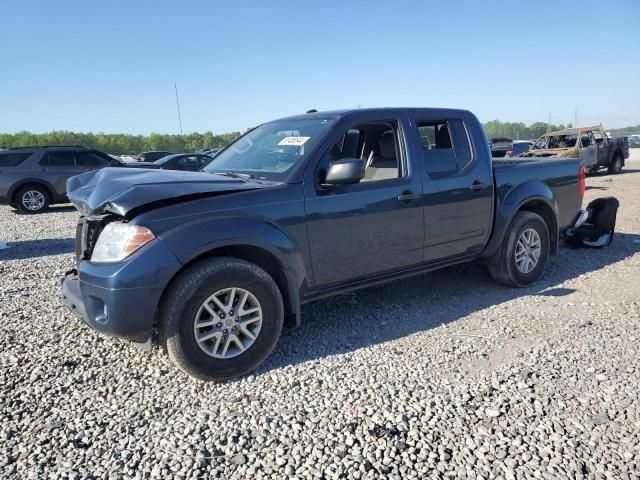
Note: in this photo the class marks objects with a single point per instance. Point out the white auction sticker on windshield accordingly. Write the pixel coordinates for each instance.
(295, 141)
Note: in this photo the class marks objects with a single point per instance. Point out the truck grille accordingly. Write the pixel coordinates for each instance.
(87, 233)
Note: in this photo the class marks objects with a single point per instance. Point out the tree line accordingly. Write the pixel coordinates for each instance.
(120, 143)
(626, 131)
(519, 130)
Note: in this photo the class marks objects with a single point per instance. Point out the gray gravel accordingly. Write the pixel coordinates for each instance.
(441, 376)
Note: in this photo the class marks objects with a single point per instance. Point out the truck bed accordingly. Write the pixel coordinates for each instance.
(558, 174)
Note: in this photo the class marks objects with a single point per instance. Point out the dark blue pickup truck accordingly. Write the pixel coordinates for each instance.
(212, 262)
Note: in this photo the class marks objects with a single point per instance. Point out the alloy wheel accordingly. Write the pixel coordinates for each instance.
(528, 250)
(228, 323)
(33, 200)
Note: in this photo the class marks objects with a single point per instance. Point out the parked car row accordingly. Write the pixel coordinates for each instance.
(32, 178)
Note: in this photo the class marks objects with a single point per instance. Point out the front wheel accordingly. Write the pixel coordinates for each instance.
(524, 252)
(221, 318)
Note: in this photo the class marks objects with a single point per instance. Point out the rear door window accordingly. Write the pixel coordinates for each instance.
(61, 159)
(91, 159)
(438, 153)
(13, 159)
(446, 145)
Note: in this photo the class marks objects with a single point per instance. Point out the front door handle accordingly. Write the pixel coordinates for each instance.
(408, 196)
(477, 186)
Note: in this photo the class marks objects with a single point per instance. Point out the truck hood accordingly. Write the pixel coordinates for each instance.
(122, 190)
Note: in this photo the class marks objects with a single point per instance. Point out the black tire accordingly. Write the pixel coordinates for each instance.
(22, 203)
(183, 300)
(503, 267)
(615, 167)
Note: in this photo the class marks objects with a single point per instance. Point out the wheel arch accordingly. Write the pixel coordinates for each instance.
(534, 196)
(547, 213)
(261, 257)
(254, 241)
(13, 192)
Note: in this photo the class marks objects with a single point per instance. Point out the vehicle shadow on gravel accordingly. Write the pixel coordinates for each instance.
(50, 209)
(379, 314)
(37, 248)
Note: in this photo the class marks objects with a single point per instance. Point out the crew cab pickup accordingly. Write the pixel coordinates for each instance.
(590, 144)
(212, 262)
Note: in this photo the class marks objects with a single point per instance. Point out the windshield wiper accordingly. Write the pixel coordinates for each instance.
(243, 176)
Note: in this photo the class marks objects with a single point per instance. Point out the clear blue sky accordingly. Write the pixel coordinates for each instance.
(110, 65)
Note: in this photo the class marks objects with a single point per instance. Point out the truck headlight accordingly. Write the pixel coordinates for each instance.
(119, 240)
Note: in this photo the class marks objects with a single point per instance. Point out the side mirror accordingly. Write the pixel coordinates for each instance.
(344, 171)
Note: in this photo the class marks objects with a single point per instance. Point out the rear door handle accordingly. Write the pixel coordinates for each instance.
(477, 185)
(408, 196)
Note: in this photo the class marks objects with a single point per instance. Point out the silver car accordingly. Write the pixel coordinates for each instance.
(32, 178)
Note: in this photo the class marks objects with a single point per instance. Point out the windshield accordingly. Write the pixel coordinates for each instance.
(556, 141)
(270, 151)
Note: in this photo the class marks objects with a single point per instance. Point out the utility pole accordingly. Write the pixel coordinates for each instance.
(175, 86)
(575, 118)
(549, 123)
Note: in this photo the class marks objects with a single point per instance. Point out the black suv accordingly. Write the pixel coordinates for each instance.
(33, 178)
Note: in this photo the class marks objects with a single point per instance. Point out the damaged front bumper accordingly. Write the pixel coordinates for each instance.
(121, 299)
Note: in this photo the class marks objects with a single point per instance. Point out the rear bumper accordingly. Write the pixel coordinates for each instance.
(121, 299)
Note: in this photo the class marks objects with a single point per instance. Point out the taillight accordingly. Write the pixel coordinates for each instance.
(582, 181)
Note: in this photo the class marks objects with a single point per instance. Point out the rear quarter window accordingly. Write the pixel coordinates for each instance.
(13, 159)
(446, 145)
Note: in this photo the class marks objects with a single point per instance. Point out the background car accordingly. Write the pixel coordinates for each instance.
(518, 148)
(151, 156)
(500, 147)
(32, 178)
(179, 161)
(212, 152)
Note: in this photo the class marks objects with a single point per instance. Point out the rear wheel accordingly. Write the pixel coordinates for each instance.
(221, 318)
(524, 252)
(615, 166)
(32, 199)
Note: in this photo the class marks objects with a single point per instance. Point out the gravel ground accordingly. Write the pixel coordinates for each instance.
(445, 375)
